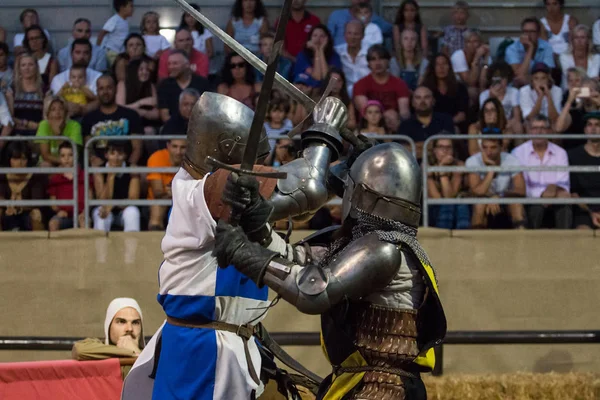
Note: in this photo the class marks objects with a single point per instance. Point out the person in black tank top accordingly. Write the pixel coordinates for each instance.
(117, 186)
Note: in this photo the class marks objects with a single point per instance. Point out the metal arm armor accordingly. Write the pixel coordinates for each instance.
(364, 266)
(304, 190)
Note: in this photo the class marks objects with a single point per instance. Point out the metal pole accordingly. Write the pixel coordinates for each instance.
(424, 163)
(86, 183)
(75, 185)
(48, 171)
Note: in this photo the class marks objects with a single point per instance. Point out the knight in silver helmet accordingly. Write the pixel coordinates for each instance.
(371, 281)
(219, 127)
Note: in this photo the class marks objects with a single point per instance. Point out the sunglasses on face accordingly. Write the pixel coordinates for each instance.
(237, 65)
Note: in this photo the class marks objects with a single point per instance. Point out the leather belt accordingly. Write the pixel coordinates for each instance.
(245, 331)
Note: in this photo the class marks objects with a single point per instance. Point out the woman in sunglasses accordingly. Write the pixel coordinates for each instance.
(491, 120)
(238, 80)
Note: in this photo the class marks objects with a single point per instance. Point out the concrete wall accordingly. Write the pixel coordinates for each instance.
(60, 285)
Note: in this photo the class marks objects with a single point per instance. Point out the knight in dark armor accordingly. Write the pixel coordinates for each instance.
(371, 281)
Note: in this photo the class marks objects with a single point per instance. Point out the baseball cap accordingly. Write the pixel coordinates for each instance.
(591, 115)
(540, 67)
(303, 79)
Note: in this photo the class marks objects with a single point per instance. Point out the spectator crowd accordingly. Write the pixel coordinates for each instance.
(395, 77)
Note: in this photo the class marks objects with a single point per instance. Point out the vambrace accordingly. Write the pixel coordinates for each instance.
(363, 267)
(304, 191)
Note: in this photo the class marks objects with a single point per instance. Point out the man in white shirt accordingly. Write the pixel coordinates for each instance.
(541, 96)
(496, 185)
(353, 55)
(81, 54)
(82, 29)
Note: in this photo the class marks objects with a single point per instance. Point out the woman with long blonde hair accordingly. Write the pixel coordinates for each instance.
(26, 97)
(409, 56)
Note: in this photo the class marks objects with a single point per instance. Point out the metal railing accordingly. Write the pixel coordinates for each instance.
(130, 170)
(33, 343)
(144, 202)
(45, 171)
(521, 168)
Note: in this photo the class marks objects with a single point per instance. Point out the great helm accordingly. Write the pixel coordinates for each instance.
(219, 127)
(385, 181)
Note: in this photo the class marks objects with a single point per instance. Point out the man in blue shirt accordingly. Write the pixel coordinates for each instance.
(522, 55)
(82, 29)
(339, 18)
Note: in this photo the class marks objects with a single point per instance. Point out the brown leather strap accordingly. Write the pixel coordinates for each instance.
(245, 331)
(338, 370)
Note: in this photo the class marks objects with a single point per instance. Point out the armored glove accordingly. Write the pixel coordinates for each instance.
(232, 247)
(360, 143)
(242, 194)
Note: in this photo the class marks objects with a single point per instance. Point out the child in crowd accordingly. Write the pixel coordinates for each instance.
(75, 90)
(408, 17)
(373, 34)
(284, 67)
(60, 187)
(202, 37)
(155, 42)
(276, 123)
(115, 30)
(372, 119)
(453, 34)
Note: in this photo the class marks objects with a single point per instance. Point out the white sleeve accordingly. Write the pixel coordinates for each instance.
(512, 161)
(5, 118)
(596, 33)
(18, 40)
(595, 66)
(57, 82)
(459, 62)
(514, 97)
(164, 43)
(483, 96)
(525, 101)
(110, 24)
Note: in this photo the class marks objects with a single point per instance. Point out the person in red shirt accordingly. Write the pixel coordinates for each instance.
(380, 85)
(60, 187)
(297, 28)
(199, 62)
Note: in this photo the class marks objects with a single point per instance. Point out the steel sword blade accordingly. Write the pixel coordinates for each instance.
(262, 103)
(247, 55)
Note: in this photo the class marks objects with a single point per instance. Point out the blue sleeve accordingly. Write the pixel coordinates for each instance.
(302, 63)
(549, 56)
(335, 60)
(332, 23)
(512, 54)
(386, 27)
(101, 62)
(285, 66)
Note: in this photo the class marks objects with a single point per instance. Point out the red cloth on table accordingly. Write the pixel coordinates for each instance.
(61, 380)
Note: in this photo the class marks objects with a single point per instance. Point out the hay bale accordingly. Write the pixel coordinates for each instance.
(519, 386)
